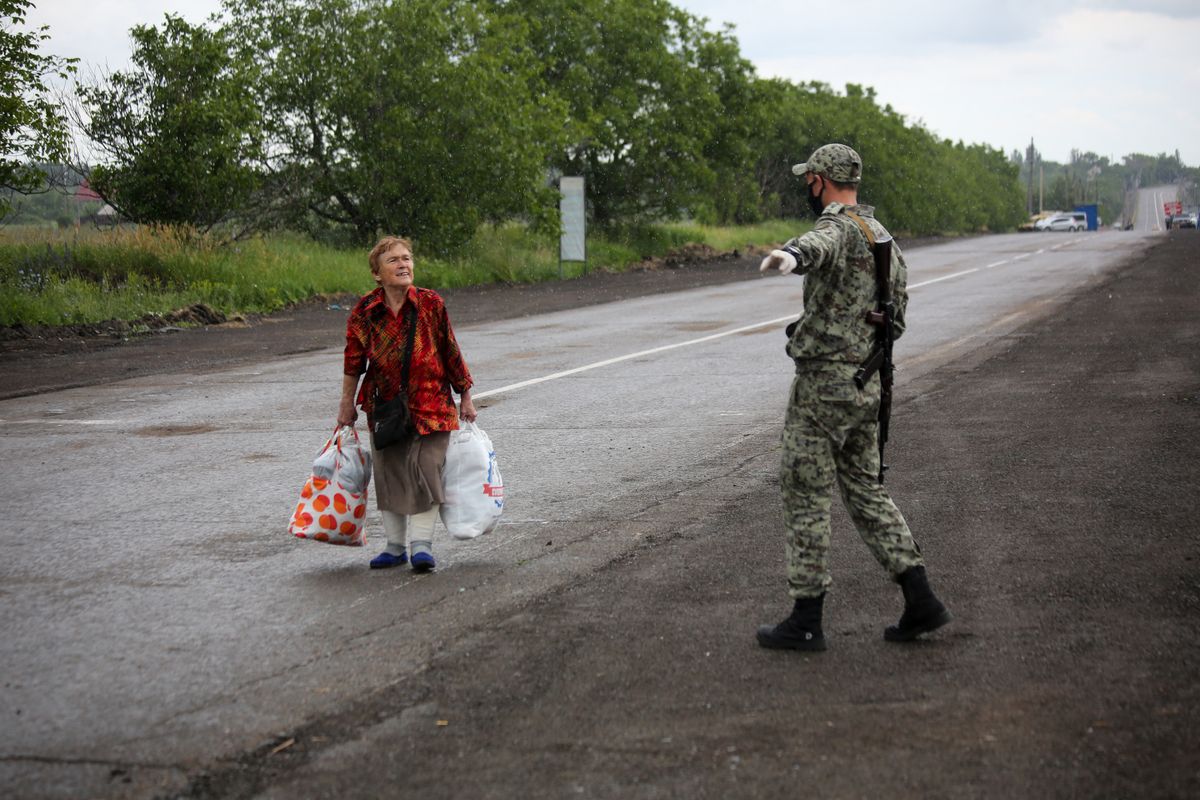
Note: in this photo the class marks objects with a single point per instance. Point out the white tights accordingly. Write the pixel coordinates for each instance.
(414, 531)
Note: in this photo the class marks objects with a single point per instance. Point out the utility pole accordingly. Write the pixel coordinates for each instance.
(1029, 155)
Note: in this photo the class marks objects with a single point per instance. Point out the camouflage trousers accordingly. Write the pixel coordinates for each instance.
(831, 431)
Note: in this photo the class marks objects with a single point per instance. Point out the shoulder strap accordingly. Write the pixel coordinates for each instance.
(408, 346)
(866, 229)
(881, 252)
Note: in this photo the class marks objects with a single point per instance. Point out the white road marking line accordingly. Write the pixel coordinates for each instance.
(586, 367)
(996, 264)
(610, 361)
(943, 278)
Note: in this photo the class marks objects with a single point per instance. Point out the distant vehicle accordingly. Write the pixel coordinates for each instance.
(1031, 225)
(1069, 221)
(1186, 220)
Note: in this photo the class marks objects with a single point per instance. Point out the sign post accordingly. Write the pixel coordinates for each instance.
(573, 243)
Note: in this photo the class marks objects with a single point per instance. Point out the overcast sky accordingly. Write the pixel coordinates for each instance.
(1113, 76)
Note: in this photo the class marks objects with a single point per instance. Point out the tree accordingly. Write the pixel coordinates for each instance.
(417, 117)
(179, 131)
(918, 183)
(32, 127)
(794, 124)
(728, 151)
(645, 88)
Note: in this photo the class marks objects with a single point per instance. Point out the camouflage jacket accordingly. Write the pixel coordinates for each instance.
(839, 287)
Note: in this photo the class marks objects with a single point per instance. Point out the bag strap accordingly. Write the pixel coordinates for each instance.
(408, 346)
(406, 362)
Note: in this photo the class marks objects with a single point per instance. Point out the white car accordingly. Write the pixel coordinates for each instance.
(1070, 221)
(1185, 220)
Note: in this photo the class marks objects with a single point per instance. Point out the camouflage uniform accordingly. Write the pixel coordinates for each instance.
(831, 429)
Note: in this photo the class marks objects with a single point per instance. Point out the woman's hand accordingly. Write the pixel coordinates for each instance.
(466, 408)
(347, 413)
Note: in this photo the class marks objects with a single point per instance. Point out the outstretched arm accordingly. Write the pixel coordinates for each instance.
(818, 247)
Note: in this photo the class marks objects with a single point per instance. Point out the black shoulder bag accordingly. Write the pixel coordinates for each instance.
(393, 421)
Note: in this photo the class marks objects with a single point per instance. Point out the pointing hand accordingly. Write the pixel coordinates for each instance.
(781, 260)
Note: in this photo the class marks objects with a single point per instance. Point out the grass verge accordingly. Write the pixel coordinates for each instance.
(50, 277)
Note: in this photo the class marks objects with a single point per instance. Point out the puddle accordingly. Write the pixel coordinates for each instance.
(174, 430)
(699, 327)
(241, 546)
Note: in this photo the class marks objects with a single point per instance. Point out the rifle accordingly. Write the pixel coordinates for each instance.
(883, 317)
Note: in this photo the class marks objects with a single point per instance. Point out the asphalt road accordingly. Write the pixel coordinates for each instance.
(165, 636)
(1149, 214)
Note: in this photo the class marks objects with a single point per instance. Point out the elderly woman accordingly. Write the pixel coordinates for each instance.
(408, 480)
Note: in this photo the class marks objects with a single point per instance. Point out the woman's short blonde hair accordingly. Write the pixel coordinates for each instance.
(382, 246)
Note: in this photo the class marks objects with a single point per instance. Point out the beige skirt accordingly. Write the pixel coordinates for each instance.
(408, 475)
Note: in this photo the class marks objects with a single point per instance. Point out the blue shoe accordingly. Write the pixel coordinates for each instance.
(423, 562)
(386, 559)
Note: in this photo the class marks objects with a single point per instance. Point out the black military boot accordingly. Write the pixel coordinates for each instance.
(800, 631)
(923, 612)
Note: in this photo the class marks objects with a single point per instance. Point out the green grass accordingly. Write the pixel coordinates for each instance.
(772, 233)
(50, 277)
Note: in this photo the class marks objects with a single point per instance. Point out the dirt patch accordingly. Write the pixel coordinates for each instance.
(46, 336)
(695, 254)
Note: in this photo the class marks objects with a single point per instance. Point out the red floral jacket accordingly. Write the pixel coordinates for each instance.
(375, 343)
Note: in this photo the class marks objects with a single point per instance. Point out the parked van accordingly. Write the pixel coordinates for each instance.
(1068, 221)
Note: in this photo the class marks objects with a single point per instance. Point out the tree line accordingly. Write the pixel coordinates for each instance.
(343, 118)
(1088, 178)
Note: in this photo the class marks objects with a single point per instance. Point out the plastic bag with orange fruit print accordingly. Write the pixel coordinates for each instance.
(333, 502)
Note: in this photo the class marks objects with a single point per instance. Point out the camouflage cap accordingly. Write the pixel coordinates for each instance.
(838, 162)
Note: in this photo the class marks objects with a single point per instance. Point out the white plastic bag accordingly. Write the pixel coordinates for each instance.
(333, 502)
(344, 456)
(474, 488)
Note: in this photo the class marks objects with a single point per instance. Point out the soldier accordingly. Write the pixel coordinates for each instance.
(831, 429)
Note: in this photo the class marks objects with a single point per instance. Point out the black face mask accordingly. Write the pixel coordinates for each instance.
(814, 202)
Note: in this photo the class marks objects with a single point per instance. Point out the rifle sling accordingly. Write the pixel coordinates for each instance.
(882, 271)
(866, 229)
